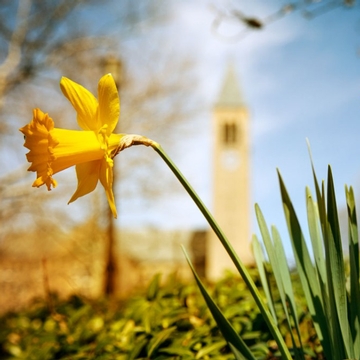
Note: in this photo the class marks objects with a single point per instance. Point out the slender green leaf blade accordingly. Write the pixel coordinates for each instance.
(306, 269)
(315, 236)
(238, 355)
(288, 290)
(230, 335)
(260, 262)
(206, 350)
(280, 269)
(320, 263)
(331, 349)
(158, 339)
(354, 270)
(271, 253)
(338, 268)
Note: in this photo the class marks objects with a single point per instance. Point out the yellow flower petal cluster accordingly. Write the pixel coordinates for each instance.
(91, 150)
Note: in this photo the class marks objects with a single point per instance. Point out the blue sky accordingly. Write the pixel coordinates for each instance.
(300, 79)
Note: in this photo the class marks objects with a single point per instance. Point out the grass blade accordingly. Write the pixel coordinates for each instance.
(225, 327)
(354, 270)
(307, 273)
(338, 269)
(280, 269)
(260, 263)
(288, 294)
(238, 355)
(332, 348)
(316, 238)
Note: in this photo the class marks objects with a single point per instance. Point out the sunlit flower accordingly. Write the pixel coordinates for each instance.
(91, 150)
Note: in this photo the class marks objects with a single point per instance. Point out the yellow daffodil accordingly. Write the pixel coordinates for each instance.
(91, 150)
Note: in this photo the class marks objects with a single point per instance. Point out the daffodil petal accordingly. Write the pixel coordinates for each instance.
(109, 103)
(88, 176)
(106, 179)
(84, 102)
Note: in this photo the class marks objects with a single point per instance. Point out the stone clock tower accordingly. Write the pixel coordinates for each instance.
(231, 178)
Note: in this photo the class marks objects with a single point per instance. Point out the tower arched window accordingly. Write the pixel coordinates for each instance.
(230, 133)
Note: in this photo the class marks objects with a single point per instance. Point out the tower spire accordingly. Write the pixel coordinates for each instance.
(230, 94)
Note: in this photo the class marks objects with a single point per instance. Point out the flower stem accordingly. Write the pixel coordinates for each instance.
(228, 247)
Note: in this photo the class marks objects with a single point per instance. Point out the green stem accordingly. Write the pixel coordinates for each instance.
(230, 250)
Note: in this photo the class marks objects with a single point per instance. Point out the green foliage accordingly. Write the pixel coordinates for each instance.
(168, 321)
(333, 307)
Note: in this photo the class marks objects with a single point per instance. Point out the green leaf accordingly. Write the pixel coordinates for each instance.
(153, 287)
(331, 346)
(158, 339)
(315, 236)
(238, 355)
(280, 268)
(260, 263)
(319, 256)
(354, 270)
(138, 347)
(287, 290)
(210, 349)
(307, 273)
(338, 268)
(177, 350)
(225, 327)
